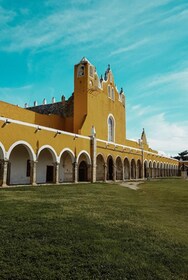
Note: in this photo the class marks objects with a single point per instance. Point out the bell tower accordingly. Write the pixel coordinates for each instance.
(81, 86)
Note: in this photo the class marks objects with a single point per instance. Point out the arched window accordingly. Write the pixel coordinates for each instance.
(112, 93)
(110, 129)
(109, 91)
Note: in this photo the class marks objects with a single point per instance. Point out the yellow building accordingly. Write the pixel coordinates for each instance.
(80, 139)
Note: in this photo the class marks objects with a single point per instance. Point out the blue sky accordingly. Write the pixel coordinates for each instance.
(145, 42)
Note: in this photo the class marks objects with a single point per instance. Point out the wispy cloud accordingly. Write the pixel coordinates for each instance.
(130, 47)
(180, 78)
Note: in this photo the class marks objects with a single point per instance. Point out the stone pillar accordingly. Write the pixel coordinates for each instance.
(123, 171)
(56, 173)
(5, 173)
(93, 158)
(105, 172)
(130, 177)
(33, 168)
(75, 171)
(114, 172)
(136, 171)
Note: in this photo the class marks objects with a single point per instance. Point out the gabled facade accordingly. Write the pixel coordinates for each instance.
(79, 139)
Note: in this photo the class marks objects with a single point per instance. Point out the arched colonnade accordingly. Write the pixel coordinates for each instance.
(20, 165)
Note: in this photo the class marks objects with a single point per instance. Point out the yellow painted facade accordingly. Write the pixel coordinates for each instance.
(89, 145)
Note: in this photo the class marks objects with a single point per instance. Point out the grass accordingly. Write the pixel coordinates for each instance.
(95, 231)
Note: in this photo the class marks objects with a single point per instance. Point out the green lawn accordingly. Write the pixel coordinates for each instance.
(95, 231)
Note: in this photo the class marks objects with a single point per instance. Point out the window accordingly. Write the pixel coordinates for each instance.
(109, 91)
(110, 129)
(81, 71)
(112, 93)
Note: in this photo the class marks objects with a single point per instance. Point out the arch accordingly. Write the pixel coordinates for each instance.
(72, 155)
(161, 169)
(84, 166)
(164, 170)
(51, 150)
(133, 169)
(100, 168)
(139, 169)
(146, 171)
(81, 153)
(66, 160)
(110, 168)
(46, 159)
(126, 169)
(27, 146)
(154, 169)
(2, 157)
(119, 168)
(150, 169)
(83, 171)
(111, 128)
(158, 170)
(20, 156)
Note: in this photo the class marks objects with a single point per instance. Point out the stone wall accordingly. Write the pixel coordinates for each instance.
(63, 108)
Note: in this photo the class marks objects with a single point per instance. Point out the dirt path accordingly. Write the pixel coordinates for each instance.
(131, 185)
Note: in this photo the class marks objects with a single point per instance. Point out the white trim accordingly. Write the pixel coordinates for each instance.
(51, 150)
(24, 143)
(44, 128)
(86, 153)
(132, 148)
(69, 151)
(114, 128)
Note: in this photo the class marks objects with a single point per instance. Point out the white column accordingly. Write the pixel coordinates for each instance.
(33, 168)
(105, 172)
(57, 173)
(75, 169)
(5, 172)
(114, 172)
(93, 158)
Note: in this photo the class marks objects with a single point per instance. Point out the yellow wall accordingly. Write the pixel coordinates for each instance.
(92, 106)
(14, 112)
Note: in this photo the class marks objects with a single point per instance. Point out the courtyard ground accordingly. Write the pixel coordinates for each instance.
(95, 231)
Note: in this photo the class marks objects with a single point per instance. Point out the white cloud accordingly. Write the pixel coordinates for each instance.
(165, 136)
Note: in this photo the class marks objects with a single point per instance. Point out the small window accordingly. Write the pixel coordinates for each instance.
(28, 168)
(81, 70)
(113, 93)
(109, 91)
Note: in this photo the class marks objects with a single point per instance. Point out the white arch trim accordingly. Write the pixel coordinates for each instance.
(51, 150)
(118, 156)
(109, 155)
(100, 154)
(27, 146)
(3, 150)
(150, 164)
(69, 151)
(87, 156)
(126, 158)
